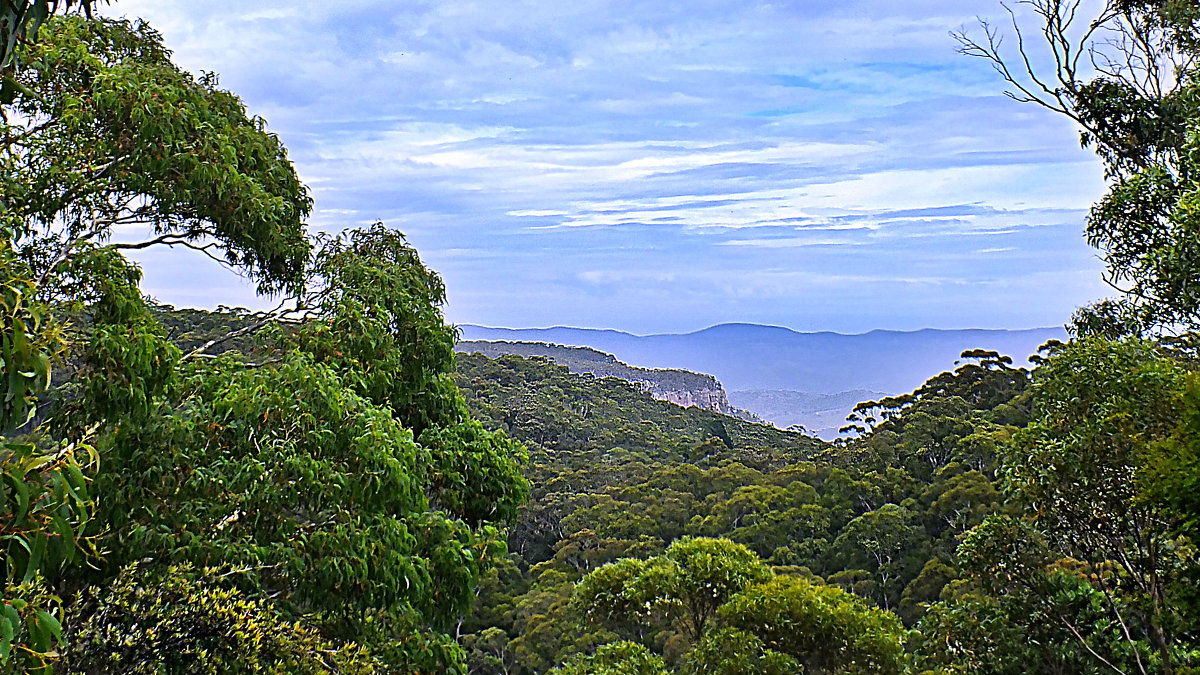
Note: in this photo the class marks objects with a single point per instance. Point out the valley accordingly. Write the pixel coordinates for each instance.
(781, 376)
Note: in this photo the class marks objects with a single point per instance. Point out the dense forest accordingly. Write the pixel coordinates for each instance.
(683, 387)
(327, 488)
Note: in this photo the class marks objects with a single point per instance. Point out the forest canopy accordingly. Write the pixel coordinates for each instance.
(327, 488)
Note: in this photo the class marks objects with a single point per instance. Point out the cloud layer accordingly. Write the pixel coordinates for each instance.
(665, 166)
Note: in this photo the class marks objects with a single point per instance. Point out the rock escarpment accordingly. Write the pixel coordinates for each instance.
(706, 397)
(681, 387)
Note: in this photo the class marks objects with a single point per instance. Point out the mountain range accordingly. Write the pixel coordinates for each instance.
(786, 376)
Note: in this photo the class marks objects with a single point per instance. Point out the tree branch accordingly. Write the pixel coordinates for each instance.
(272, 315)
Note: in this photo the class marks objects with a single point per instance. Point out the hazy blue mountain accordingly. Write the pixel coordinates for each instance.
(821, 414)
(748, 356)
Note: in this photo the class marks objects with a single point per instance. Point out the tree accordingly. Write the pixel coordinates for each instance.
(182, 620)
(1170, 478)
(685, 585)
(823, 627)
(1090, 552)
(1101, 549)
(303, 474)
(120, 136)
(734, 652)
(881, 542)
(618, 658)
(1125, 72)
(327, 506)
(19, 24)
(1099, 407)
(1003, 634)
(960, 501)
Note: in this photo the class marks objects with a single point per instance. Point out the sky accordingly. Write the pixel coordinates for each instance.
(662, 166)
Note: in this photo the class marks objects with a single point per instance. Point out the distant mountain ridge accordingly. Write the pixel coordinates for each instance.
(681, 387)
(786, 376)
(750, 356)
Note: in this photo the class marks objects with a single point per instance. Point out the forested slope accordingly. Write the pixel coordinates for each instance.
(682, 387)
(585, 434)
(617, 474)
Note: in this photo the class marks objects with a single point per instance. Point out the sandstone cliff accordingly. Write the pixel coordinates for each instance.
(681, 387)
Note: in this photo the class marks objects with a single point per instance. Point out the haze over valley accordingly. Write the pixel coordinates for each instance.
(788, 377)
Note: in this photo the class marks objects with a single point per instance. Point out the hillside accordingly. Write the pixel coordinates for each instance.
(617, 474)
(789, 371)
(681, 387)
(584, 432)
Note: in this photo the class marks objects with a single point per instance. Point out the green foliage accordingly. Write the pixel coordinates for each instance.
(29, 341)
(280, 468)
(1146, 223)
(262, 516)
(768, 624)
(476, 474)
(184, 620)
(618, 658)
(617, 594)
(1097, 567)
(880, 542)
(44, 492)
(702, 573)
(47, 508)
(321, 495)
(823, 627)
(119, 135)
(589, 436)
(321, 498)
(683, 587)
(733, 652)
(19, 24)
(1093, 553)
(1170, 477)
(382, 327)
(626, 505)
(1002, 634)
(126, 361)
(30, 628)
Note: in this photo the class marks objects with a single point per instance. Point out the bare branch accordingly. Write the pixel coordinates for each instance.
(1083, 641)
(300, 311)
(168, 239)
(65, 253)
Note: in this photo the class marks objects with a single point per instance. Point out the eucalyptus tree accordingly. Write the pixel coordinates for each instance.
(1126, 72)
(333, 486)
(108, 134)
(1090, 569)
(821, 629)
(1099, 547)
(681, 589)
(618, 658)
(19, 24)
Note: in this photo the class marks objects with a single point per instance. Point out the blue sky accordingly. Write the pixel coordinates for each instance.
(663, 166)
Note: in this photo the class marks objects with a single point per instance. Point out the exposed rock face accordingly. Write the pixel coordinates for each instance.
(681, 387)
(706, 397)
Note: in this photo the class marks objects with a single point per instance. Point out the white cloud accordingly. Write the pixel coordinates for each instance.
(586, 146)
